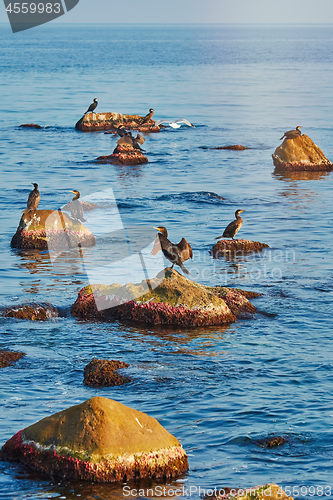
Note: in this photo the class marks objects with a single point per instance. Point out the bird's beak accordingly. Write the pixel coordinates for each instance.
(155, 228)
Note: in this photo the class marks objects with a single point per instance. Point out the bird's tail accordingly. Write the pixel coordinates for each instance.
(281, 138)
(183, 268)
(219, 237)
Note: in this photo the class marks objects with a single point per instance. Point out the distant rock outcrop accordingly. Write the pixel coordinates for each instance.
(44, 229)
(91, 122)
(99, 440)
(300, 154)
(124, 154)
(30, 125)
(236, 147)
(172, 300)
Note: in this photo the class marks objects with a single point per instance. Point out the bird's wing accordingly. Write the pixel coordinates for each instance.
(184, 245)
(183, 120)
(159, 122)
(125, 140)
(157, 246)
(140, 139)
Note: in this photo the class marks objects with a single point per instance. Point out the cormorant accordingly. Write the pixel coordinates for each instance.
(148, 117)
(33, 198)
(76, 208)
(232, 229)
(175, 253)
(92, 106)
(126, 137)
(175, 123)
(292, 134)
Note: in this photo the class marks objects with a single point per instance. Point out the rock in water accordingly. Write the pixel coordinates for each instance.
(172, 300)
(98, 440)
(51, 229)
(108, 121)
(300, 154)
(266, 492)
(236, 248)
(124, 155)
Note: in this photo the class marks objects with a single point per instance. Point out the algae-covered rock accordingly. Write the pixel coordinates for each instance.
(300, 153)
(91, 122)
(124, 154)
(233, 147)
(8, 358)
(236, 248)
(51, 229)
(98, 440)
(103, 373)
(266, 492)
(32, 311)
(172, 299)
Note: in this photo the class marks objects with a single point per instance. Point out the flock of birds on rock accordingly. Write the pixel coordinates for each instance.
(175, 253)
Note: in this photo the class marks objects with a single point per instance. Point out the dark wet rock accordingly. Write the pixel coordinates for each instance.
(271, 441)
(103, 373)
(173, 300)
(99, 440)
(300, 154)
(124, 155)
(236, 248)
(86, 205)
(31, 125)
(235, 147)
(266, 492)
(8, 358)
(91, 122)
(32, 311)
(51, 229)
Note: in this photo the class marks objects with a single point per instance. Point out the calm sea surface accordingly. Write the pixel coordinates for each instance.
(218, 390)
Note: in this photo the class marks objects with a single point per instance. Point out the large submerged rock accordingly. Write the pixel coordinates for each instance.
(299, 154)
(172, 299)
(31, 311)
(124, 154)
(51, 229)
(98, 440)
(91, 122)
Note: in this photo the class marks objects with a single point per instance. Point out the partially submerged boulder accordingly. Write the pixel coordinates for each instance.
(235, 147)
(236, 248)
(266, 492)
(299, 154)
(91, 122)
(8, 358)
(30, 125)
(51, 229)
(103, 373)
(99, 440)
(124, 154)
(32, 311)
(172, 299)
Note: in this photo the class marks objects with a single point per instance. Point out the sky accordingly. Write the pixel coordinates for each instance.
(197, 11)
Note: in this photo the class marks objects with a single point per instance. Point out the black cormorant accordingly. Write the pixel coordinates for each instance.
(292, 134)
(175, 253)
(148, 117)
(232, 229)
(33, 198)
(92, 106)
(75, 207)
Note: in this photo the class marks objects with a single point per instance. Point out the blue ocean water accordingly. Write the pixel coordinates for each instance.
(217, 390)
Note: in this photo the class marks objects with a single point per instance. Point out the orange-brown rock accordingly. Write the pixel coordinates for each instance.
(236, 147)
(269, 491)
(7, 358)
(32, 311)
(98, 440)
(124, 154)
(91, 122)
(30, 125)
(299, 154)
(172, 300)
(103, 373)
(271, 441)
(236, 248)
(51, 229)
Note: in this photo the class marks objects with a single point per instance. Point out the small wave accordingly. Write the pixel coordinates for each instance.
(195, 197)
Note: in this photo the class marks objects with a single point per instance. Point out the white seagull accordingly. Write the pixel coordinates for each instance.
(174, 123)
